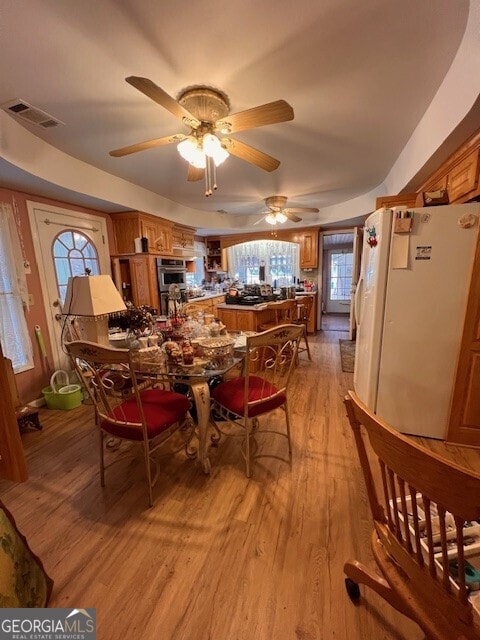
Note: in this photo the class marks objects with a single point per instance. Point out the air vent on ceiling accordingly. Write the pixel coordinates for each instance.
(24, 111)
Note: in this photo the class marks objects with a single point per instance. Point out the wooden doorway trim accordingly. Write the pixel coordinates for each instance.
(464, 425)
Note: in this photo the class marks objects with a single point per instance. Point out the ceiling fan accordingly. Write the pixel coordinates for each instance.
(205, 111)
(278, 213)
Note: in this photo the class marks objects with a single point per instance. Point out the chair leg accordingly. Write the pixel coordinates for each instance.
(102, 459)
(148, 472)
(287, 420)
(306, 342)
(248, 460)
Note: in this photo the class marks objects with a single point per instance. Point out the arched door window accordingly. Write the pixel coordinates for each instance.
(73, 255)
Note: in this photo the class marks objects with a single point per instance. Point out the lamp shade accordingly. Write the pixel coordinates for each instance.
(92, 296)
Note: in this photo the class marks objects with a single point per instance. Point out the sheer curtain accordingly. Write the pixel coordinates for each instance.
(272, 261)
(16, 343)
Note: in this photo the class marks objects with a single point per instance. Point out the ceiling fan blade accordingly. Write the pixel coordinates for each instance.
(301, 210)
(271, 113)
(148, 144)
(249, 154)
(162, 98)
(291, 216)
(194, 174)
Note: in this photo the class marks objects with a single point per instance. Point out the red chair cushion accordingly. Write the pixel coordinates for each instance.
(161, 409)
(230, 394)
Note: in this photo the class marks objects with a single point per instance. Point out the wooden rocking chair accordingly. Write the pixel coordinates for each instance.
(425, 528)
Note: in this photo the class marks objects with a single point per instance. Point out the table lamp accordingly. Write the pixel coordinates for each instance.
(91, 299)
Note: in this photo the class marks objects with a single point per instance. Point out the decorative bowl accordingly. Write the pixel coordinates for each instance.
(217, 350)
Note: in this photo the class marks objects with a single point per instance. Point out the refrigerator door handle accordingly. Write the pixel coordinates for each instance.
(358, 300)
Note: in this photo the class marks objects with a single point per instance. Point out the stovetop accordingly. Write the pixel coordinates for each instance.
(244, 300)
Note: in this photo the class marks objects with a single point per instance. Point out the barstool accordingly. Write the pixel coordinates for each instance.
(304, 309)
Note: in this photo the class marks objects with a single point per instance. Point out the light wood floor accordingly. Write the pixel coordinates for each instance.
(219, 557)
(335, 322)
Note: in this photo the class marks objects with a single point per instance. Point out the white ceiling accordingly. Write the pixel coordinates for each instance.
(359, 76)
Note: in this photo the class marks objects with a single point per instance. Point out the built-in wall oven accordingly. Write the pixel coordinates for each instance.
(170, 271)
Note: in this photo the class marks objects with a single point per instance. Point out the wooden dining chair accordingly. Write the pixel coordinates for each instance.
(425, 541)
(284, 313)
(130, 407)
(242, 400)
(304, 306)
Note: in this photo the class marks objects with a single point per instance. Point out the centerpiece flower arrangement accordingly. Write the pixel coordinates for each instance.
(137, 322)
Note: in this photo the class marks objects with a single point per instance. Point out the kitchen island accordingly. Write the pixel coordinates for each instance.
(249, 318)
(239, 317)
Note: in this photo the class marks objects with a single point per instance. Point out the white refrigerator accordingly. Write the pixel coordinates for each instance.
(410, 306)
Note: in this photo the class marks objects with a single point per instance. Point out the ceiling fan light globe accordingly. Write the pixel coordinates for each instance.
(198, 159)
(213, 148)
(220, 156)
(281, 217)
(271, 218)
(187, 148)
(210, 144)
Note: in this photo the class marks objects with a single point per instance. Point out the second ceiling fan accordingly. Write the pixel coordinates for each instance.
(278, 212)
(205, 111)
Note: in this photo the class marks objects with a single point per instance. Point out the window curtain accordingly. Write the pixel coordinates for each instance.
(272, 261)
(16, 343)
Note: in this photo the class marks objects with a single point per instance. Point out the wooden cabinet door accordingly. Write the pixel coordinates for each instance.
(126, 228)
(182, 238)
(464, 426)
(154, 295)
(151, 231)
(309, 250)
(402, 199)
(140, 280)
(158, 234)
(463, 178)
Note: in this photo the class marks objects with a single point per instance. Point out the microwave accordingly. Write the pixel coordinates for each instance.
(171, 271)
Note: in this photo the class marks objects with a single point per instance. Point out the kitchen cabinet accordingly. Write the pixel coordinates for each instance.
(135, 276)
(308, 241)
(402, 200)
(207, 304)
(215, 259)
(460, 178)
(463, 178)
(183, 237)
(243, 318)
(133, 224)
(459, 174)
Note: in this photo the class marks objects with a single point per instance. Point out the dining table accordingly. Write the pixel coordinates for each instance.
(197, 377)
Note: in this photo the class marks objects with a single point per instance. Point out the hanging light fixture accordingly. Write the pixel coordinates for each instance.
(204, 152)
(274, 218)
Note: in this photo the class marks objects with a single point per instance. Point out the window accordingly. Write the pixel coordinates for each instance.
(340, 275)
(272, 261)
(16, 343)
(73, 254)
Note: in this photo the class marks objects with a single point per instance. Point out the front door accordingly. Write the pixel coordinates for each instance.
(66, 242)
(339, 280)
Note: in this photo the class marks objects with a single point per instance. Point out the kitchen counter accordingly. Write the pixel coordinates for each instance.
(206, 296)
(240, 317)
(244, 307)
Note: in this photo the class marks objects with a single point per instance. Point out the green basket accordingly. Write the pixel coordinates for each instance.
(62, 396)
